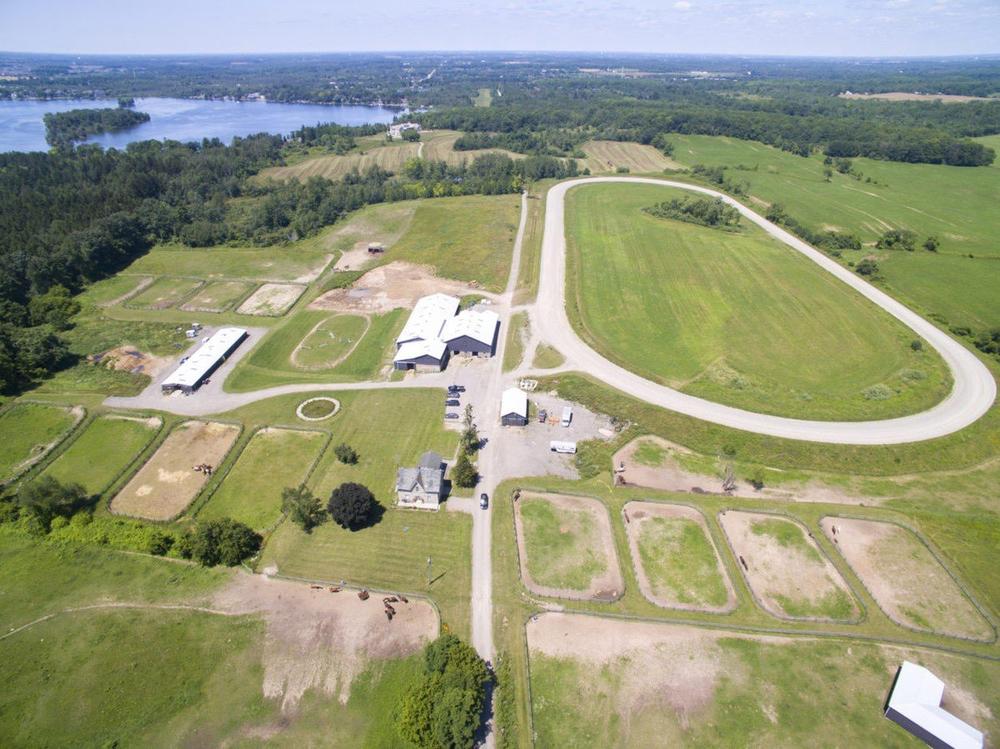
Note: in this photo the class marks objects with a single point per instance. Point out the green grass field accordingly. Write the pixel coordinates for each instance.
(517, 330)
(330, 341)
(271, 461)
(469, 238)
(105, 449)
(741, 692)
(299, 261)
(484, 98)
(737, 318)
(680, 562)
(110, 289)
(164, 292)
(563, 547)
(29, 431)
(955, 204)
(547, 357)
(270, 363)
(218, 296)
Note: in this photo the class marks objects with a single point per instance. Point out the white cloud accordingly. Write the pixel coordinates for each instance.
(682, 5)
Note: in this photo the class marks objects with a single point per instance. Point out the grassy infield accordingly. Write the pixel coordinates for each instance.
(947, 509)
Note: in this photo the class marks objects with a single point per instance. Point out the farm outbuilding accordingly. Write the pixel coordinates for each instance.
(193, 372)
(428, 317)
(423, 486)
(514, 408)
(422, 356)
(915, 704)
(472, 332)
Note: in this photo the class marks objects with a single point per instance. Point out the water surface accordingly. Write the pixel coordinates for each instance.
(22, 129)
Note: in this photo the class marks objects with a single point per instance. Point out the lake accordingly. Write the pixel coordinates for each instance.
(22, 129)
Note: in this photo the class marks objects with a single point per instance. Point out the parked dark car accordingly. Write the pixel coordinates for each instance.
(543, 415)
(484, 500)
(456, 388)
(451, 415)
(452, 402)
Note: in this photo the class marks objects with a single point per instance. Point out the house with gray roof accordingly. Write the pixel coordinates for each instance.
(421, 487)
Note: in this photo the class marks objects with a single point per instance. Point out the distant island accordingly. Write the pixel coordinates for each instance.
(66, 128)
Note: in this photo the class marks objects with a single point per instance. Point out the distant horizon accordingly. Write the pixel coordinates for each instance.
(873, 29)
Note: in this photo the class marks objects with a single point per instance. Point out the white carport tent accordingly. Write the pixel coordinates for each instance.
(915, 704)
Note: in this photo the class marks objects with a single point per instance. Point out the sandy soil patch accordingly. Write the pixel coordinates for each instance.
(167, 483)
(271, 299)
(321, 640)
(905, 96)
(792, 579)
(671, 476)
(130, 359)
(904, 578)
(389, 287)
(638, 514)
(605, 586)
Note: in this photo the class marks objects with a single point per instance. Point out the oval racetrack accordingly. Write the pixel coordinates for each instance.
(972, 395)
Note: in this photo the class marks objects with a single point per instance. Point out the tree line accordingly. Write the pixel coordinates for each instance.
(63, 129)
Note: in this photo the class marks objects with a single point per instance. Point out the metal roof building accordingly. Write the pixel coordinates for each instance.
(472, 331)
(915, 704)
(420, 354)
(428, 317)
(514, 407)
(199, 365)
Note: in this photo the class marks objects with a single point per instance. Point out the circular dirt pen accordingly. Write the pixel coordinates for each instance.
(605, 585)
(316, 413)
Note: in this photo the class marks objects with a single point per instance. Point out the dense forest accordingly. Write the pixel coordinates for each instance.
(63, 129)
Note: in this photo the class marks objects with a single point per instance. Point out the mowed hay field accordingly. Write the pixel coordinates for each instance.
(301, 262)
(905, 579)
(168, 483)
(613, 683)
(217, 296)
(955, 204)
(675, 560)
(567, 548)
(272, 460)
(164, 292)
(734, 317)
(330, 342)
(389, 429)
(28, 431)
(604, 156)
(786, 571)
(107, 446)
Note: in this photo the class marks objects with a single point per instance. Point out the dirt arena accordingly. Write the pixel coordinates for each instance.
(271, 299)
(904, 578)
(168, 483)
(790, 580)
(588, 519)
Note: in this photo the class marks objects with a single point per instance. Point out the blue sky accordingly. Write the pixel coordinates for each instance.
(761, 27)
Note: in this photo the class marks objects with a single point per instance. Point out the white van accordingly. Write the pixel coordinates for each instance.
(567, 416)
(558, 446)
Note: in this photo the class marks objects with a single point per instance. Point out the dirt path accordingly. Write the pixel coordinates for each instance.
(607, 586)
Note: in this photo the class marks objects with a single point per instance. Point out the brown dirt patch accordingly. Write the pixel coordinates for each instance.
(271, 299)
(167, 483)
(905, 96)
(783, 577)
(639, 513)
(904, 578)
(321, 640)
(607, 586)
(130, 359)
(389, 287)
(671, 476)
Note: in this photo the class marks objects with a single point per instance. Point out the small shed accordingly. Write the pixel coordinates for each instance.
(376, 248)
(915, 704)
(423, 486)
(514, 408)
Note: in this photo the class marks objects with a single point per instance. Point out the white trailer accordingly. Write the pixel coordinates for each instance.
(567, 416)
(558, 446)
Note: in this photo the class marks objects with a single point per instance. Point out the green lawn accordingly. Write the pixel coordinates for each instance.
(741, 692)
(109, 289)
(737, 318)
(470, 238)
(563, 546)
(547, 357)
(484, 98)
(330, 341)
(28, 431)
(680, 562)
(99, 455)
(650, 453)
(270, 363)
(272, 460)
(517, 330)
(164, 292)
(299, 261)
(218, 296)
(955, 204)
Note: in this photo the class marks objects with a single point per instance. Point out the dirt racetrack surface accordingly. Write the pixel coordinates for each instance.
(322, 640)
(607, 586)
(641, 512)
(389, 287)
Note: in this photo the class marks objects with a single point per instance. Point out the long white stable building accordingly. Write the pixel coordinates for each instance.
(915, 704)
(190, 375)
(436, 330)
